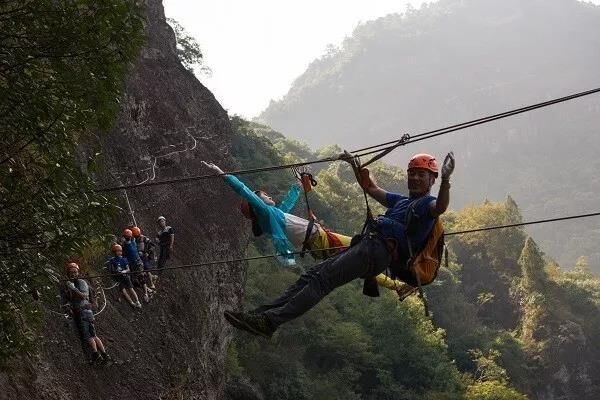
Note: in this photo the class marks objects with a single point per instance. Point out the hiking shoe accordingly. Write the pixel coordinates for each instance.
(106, 359)
(95, 359)
(256, 324)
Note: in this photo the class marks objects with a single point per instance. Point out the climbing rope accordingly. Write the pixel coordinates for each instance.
(307, 182)
(207, 263)
(383, 148)
(129, 206)
(406, 139)
(237, 260)
(540, 221)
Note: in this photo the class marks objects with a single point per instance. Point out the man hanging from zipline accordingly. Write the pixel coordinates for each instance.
(289, 231)
(388, 241)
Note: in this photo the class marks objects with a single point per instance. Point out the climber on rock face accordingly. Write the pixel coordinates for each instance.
(79, 301)
(132, 254)
(145, 249)
(119, 267)
(288, 231)
(383, 245)
(166, 240)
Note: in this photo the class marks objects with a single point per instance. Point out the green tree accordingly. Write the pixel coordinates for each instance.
(188, 50)
(489, 259)
(493, 390)
(532, 264)
(62, 66)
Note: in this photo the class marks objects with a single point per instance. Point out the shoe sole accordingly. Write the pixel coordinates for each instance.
(239, 324)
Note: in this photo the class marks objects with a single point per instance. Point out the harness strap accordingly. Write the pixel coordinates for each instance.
(308, 182)
(355, 163)
(306, 243)
(410, 262)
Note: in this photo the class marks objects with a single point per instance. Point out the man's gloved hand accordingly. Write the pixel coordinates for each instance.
(213, 167)
(71, 285)
(365, 179)
(448, 167)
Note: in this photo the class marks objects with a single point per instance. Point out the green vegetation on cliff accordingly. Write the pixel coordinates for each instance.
(62, 67)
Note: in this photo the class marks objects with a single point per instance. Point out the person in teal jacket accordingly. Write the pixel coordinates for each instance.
(266, 216)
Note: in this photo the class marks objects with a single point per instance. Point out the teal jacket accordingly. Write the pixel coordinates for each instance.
(271, 219)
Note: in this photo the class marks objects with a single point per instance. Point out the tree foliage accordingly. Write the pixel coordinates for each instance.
(506, 323)
(62, 65)
(188, 50)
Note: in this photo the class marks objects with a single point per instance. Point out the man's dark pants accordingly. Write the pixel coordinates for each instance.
(163, 256)
(368, 258)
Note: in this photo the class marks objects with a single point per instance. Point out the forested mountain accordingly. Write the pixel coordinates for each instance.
(452, 61)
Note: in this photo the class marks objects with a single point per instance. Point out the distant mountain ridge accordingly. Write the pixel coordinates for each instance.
(453, 61)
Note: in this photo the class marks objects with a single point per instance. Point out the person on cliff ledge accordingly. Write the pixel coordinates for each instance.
(385, 244)
(166, 240)
(79, 301)
(146, 251)
(119, 268)
(136, 265)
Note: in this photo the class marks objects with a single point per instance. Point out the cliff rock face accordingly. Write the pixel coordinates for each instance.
(175, 346)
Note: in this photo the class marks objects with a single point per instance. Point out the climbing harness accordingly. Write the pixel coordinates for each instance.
(307, 181)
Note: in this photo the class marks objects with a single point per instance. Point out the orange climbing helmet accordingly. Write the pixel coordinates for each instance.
(127, 233)
(116, 247)
(424, 161)
(72, 267)
(136, 231)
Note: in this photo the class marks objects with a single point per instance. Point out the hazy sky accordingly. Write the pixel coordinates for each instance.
(257, 48)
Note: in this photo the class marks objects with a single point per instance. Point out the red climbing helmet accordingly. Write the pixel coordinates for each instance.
(127, 233)
(136, 231)
(116, 247)
(424, 161)
(72, 267)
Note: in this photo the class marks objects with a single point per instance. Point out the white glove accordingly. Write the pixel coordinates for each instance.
(213, 167)
(71, 285)
(448, 167)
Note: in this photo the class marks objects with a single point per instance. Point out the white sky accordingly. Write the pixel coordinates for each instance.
(257, 48)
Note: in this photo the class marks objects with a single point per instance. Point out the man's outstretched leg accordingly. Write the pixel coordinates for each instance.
(368, 258)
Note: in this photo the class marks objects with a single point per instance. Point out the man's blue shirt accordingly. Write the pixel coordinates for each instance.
(393, 223)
